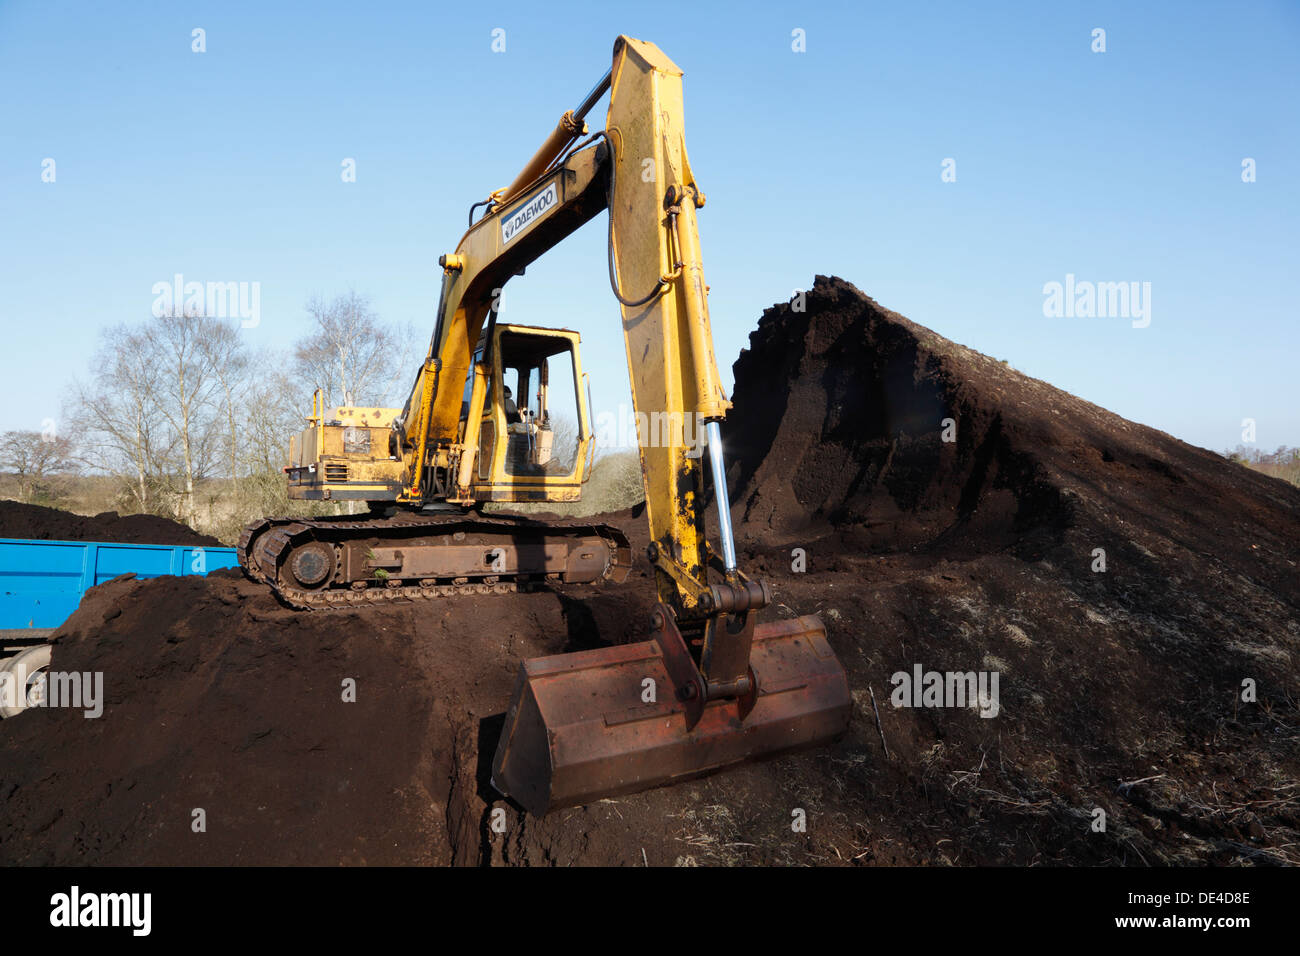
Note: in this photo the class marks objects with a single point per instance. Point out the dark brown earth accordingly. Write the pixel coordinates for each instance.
(1120, 690)
(18, 520)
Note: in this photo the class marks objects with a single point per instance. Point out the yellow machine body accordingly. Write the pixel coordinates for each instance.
(579, 726)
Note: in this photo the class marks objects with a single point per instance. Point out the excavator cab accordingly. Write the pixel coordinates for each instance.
(533, 445)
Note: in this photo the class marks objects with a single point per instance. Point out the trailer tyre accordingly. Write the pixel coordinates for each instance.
(16, 673)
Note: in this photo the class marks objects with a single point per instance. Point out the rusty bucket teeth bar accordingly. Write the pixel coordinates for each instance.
(578, 728)
(351, 562)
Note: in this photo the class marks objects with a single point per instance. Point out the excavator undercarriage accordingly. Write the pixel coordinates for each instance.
(361, 560)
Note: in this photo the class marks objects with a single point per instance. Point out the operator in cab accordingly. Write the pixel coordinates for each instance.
(511, 410)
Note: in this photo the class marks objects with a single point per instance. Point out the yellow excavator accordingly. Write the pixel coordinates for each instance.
(709, 686)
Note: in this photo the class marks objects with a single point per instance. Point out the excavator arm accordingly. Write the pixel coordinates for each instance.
(723, 688)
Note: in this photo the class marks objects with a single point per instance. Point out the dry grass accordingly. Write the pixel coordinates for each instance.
(1284, 463)
(615, 485)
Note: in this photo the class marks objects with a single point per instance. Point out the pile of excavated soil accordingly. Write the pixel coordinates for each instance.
(1120, 690)
(217, 697)
(18, 520)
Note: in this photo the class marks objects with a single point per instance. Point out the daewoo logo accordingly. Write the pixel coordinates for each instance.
(528, 213)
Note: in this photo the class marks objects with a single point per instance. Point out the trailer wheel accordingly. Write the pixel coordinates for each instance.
(16, 672)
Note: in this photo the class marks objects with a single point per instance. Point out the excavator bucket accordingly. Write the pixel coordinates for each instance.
(588, 725)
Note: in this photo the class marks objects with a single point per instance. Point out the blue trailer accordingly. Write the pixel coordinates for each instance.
(41, 582)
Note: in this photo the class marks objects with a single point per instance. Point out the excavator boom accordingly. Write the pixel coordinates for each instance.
(709, 686)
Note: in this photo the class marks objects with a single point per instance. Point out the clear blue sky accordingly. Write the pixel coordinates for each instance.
(1115, 166)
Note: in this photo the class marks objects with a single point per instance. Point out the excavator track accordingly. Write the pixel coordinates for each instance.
(358, 561)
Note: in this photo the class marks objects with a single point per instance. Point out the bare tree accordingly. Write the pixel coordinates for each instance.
(178, 400)
(161, 408)
(189, 394)
(116, 414)
(273, 411)
(230, 364)
(34, 458)
(351, 354)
